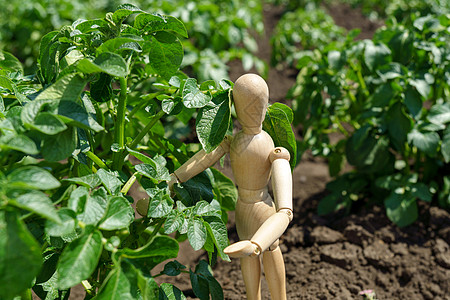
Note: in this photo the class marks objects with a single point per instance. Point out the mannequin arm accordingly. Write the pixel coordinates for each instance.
(275, 225)
(201, 161)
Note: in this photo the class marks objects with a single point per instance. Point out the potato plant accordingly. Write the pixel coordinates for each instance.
(386, 103)
(109, 109)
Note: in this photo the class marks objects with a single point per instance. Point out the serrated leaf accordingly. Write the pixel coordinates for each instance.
(193, 97)
(106, 62)
(79, 259)
(20, 255)
(277, 124)
(196, 233)
(32, 177)
(38, 203)
(213, 120)
(119, 214)
(166, 54)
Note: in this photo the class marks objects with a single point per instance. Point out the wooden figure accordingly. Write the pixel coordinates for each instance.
(260, 221)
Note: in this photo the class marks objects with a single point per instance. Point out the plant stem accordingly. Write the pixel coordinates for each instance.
(156, 230)
(146, 129)
(96, 159)
(128, 184)
(119, 130)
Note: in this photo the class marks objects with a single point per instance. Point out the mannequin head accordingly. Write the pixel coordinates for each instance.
(251, 97)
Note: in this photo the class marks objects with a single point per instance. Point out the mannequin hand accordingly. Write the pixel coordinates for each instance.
(172, 181)
(242, 249)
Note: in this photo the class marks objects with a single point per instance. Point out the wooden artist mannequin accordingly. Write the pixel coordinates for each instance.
(254, 159)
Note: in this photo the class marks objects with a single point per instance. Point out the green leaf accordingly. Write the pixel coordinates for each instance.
(399, 125)
(401, 209)
(195, 189)
(20, 256)
(422, 87)
(445, 146)
(119, 214)
(196, 233)
(277, 124)
(219, 234)
(9, 62)
(72, 113)
(160, 206)
(225, 190)
(47, 56)
(38, 203)
(213, 120)
(174, 221)
(32, 177)
(148, 287)
(106, 62)
(89, 181)
(128, 42)
(413, 101)
(193, 97)
(439, 113)
(18, 142)
(421, 191)
(101, 89)
(60, 146)
(376, 55)
(111, 180)
(48, 123)
(166, 54)
(123, 11)
(427, 142)
(94, 208)
(65, 227)
(79, 259)
(173, 268)
(153, 23)
(169, 292)
(67, 88)
(121, 283)
(153, 169)
(382, 95)
(204, 283)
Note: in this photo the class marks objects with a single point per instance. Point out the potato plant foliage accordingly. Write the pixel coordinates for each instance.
(387, 101)
(106, 110)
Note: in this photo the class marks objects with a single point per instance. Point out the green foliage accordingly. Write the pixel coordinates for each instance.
(386, 101)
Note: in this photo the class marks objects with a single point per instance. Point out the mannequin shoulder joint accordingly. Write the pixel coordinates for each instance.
(279, 153)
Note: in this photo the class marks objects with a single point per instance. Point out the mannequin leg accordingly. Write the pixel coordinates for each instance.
(251, 272)
(275, 273)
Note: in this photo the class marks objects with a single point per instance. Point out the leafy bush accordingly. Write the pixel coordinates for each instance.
(104, 92)
(303, 29)
(386, 99)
